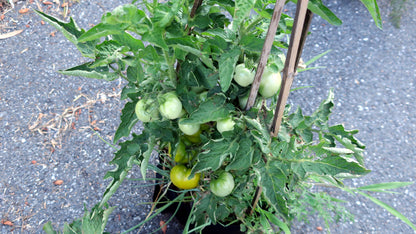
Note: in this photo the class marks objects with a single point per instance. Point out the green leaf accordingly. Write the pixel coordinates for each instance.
(128, 120)
(226, 67)
(338, 150)
(381, 187)
(243, 158)
(126, 39)
(310, 61)
(201, 55)
(389, 209)
(241, 11)
(95, 73)
(276, 221)
(101, 30)
(273, 181)
(48, 229)
(72, 32)
(374, 11)
(164, 14)
(213, 109)
(317, 7)
(146, 156)
(123, 160)
(331, 165)
(213, 154)
(124, 14)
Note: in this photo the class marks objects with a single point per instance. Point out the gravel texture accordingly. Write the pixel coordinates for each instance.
(41, 141)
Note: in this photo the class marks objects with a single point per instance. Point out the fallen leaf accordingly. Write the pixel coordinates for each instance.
(163, 226)
(1, 17)
(6, 222)
(93, 122)
(319, 228)
(27, 25)
(64, 5)
(47, 3)
(58, 182)
(33, 161)
(42, 22)
(10, 34)
(52, 34)
(23, 10)
(73, 125)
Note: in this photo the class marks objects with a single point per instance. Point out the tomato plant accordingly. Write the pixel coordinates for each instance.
(223, 185)
(185, 55)
(180, 177)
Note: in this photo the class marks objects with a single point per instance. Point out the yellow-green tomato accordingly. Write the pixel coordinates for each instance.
(170, 106)
(225, 125)
(188, 129)
(223, 186)
(270, 83)
(145, 112)
(179, 177)
(243, 76)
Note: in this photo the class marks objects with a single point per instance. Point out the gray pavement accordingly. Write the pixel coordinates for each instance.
(44, 136)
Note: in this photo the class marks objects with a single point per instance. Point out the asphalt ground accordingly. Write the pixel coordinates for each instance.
(52, 159)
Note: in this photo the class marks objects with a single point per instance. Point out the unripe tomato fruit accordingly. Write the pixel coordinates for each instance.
(188, 129)
(225, 125)
(145, 112)
(179, 177)
(181, 156)
(223, 186)
(243, 76)
(270, 83)
(170, 106)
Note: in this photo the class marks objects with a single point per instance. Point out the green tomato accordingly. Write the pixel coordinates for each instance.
(145, 112)
(170, 106)
(243, 76)
(179, 175)
(188, 129)
(181, 156)
(223, 186)
(242, 101)
(270, 83)
(225, 125)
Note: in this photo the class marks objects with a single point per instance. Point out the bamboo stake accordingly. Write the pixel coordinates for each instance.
(268, 42)
(293, 56)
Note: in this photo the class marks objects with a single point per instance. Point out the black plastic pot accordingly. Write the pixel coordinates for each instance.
(184, 210)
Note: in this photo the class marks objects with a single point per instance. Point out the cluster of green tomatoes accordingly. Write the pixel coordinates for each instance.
(169, 106)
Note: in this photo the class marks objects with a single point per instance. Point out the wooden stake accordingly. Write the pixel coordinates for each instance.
(293, 56)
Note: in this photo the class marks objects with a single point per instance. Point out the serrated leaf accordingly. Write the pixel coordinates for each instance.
(241, 11)
(146, 156)
(276, 221)
(227, 64)
(126, 39)
(101, 30)
(201, 55)
(213, 109)
(372, 7)
(128, 120)
(164, 14)
(124, 14)
(72, 32)
(244, 156)
(213, 154)
(85, 71)
(123, 160)
(273, 182)
(331, 165)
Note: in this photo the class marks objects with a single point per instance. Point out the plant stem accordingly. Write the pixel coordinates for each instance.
(170, 63)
